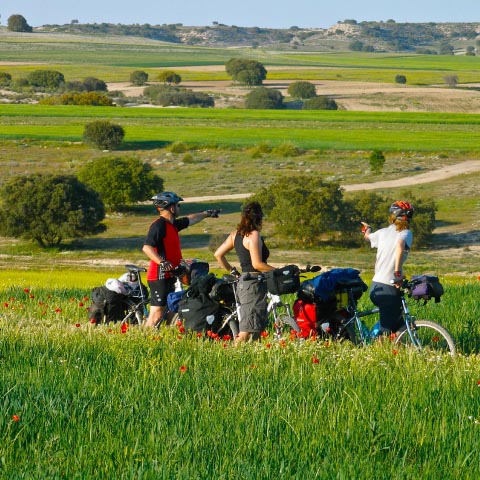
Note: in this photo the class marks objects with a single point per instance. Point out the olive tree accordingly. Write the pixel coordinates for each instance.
(264, 98)
(49, 209)
(139, 77)
(93, 84)
(302, 90)
(321, 102)
(304, 209)
(103, 134)
(121, 181)
(49, 79)
(248, 72)
(169, 77)
(18, 23)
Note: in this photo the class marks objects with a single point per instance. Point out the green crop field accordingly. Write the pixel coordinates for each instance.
(312, 130)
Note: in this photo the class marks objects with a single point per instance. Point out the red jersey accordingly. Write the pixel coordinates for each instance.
(163, 237)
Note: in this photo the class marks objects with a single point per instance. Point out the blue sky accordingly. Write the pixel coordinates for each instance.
(259, 13)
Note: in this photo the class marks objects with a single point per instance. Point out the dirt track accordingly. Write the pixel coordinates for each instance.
(470, 166)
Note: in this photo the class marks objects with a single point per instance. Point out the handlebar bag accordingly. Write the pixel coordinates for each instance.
(283, 280)
(428, 287)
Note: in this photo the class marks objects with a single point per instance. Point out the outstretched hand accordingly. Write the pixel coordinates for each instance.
(213, 213)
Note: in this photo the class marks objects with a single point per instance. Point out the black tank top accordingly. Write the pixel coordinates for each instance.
(244, 255)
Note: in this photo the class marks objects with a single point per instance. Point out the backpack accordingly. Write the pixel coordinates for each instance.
(306, 316)
(108, 306)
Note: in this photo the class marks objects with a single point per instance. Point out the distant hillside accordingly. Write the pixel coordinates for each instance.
(347, 35)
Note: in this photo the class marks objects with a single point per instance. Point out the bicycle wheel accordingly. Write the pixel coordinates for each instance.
(428, 335)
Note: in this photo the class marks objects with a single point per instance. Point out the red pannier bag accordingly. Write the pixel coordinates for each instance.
(306, 316)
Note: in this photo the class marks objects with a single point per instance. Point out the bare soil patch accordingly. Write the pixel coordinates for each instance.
(359, 96)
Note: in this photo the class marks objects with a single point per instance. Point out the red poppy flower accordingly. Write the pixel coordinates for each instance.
(124, 327)
(31, 296)
(315, 359)
(393, 336)
(478, 383)
(5, 305)
(283, 344)
(264, 334)
(253, 366)
(15, 418)
(268, 345)
(58, 310)
(199, 335)
(179, 323)
(183, 368)
(395, 352)
(77, 325)
(80, 304)
(93, 321)
(26, 290)
(227, 337)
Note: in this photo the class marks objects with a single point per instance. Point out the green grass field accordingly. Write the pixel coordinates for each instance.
(81, 401)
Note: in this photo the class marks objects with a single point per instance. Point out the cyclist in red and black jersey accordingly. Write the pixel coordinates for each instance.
(162, 247)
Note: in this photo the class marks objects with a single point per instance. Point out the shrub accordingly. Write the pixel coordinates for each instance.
(93, 84)
(103, 134)
(49, 208)
(286, 149)
(5, 79)
(376, 160)
(138, 77)
(402, 79)
(320, 103)
(49, 79)
(178, 147)
(264, 98)
(169, 77)
(302, 90)
(83, 98)
(121, 181)
(18, 23)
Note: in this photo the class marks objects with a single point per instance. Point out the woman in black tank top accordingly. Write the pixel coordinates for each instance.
(252, 255)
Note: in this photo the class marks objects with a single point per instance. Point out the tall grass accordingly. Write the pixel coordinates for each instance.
(81, 401)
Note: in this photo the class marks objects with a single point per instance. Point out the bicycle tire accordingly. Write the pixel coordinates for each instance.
(284, 319)
(431, 337)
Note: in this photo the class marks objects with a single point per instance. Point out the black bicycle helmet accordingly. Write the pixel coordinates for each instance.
(402, 210)
(164, 199)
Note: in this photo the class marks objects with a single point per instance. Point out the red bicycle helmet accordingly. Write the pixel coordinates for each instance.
(402, 210)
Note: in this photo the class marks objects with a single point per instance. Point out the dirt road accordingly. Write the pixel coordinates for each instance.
(470, 166)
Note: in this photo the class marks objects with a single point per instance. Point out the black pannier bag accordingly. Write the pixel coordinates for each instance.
(428, 287)
(283, 280)
(108, 306)
(200, 313)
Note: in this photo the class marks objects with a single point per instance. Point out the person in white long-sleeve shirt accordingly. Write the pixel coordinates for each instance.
(393, 244)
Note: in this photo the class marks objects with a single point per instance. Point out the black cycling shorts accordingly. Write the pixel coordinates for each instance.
(159, 289)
